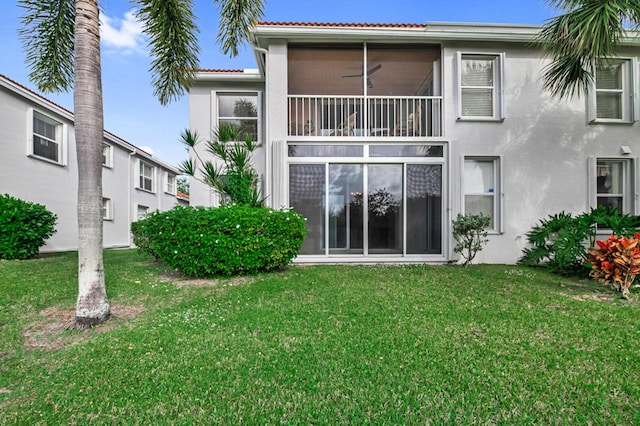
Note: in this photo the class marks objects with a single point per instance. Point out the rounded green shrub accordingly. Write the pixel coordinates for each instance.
(24, 227)
(228, 240)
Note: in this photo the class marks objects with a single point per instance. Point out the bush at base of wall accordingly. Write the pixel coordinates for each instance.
(24, 227)
(229, 240)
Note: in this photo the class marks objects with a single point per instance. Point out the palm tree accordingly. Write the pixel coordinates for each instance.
(62, 42)
(586, 31)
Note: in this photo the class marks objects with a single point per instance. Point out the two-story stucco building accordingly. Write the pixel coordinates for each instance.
(38, 164)
(381, 134)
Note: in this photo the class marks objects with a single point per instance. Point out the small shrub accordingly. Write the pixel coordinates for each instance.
(24, 227)
(559, 242)
(470, 232)
(229, 240)
(616, 261)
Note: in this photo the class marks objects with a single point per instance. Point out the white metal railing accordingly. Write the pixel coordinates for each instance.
(370, 116)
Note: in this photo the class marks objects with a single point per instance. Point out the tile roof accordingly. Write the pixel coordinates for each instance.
(231, 71)
(340, 25)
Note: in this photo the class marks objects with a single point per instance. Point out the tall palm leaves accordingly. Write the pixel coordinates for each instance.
(237, 17)
(587, 31)
(172, 31)
(47, 38)
(62, 42)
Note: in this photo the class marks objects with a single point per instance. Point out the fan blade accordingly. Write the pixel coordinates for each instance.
(374, 69)
(352, 75)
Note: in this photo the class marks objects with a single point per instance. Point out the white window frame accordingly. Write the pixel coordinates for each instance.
(630, 183)
(170, 184)
(107, 208)
(216, 110)
(498, 85)
(142, 178)
(497, 193)
(107, 155)
(629, 96)
(60, 137)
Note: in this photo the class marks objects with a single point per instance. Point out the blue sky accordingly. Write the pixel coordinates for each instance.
(132, 112)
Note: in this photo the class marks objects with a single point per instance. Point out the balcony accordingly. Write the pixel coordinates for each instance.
(364, 116)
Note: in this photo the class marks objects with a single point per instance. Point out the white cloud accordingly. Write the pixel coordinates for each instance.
(122, 35)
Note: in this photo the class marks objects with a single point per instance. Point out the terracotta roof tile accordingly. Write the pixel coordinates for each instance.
(341, 25)
(219, 70)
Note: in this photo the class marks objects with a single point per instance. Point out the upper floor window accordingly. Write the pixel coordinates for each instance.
(107, 155)
(612, 99)
(47, 138)
(481, 188)
(241, 110)
(146, 176)
(171, 184)
(480, 87)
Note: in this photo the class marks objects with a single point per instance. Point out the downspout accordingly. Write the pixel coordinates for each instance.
(267, 146)
(130, 202)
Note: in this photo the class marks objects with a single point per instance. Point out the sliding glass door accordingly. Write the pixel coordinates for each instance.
(368, 208)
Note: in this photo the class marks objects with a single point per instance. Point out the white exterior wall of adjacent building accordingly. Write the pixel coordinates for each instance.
(54, 184)
(545, 149)
(202, 120)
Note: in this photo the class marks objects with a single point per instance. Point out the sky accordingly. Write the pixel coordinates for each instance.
(133, 113)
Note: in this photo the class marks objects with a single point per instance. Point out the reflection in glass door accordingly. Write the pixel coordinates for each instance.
(384, 196)
(345, 216)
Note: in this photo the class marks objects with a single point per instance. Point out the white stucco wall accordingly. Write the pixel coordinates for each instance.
(544, 144)
(55, 186)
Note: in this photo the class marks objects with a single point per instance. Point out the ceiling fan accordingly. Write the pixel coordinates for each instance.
(369, 72)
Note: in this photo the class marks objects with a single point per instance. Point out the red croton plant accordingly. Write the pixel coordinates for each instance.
(616, 260)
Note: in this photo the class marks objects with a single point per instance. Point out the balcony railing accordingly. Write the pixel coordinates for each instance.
(360, 116)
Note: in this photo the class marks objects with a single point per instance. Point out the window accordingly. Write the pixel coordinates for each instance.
(241, 110)
(480, 87)
(614, 184)
(146, 176)
(47, 138)
(171, 184)
(481, 188)
(612, 100)
(107, 209)
(142, 211)
(107, 155)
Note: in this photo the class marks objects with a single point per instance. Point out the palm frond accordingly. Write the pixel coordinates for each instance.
(173, 38)
(237, 18)
(589, 30)
(48, 39)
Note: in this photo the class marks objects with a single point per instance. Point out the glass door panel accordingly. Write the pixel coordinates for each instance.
(424, 209)
(345, 209)
(306, 195)
(384, 208)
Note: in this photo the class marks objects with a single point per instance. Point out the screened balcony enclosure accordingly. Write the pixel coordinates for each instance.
(364, 90)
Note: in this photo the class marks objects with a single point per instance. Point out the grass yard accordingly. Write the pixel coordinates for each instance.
(410, 344)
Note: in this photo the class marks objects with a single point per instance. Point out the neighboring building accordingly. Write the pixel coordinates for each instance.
(38, 164)
(381, 134)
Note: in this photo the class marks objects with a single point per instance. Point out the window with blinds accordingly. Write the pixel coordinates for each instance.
(480, 87)
(612, 99)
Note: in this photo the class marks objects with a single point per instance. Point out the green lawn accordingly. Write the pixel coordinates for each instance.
(331, 345)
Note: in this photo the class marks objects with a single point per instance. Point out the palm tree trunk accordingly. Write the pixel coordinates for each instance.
(92, 305)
